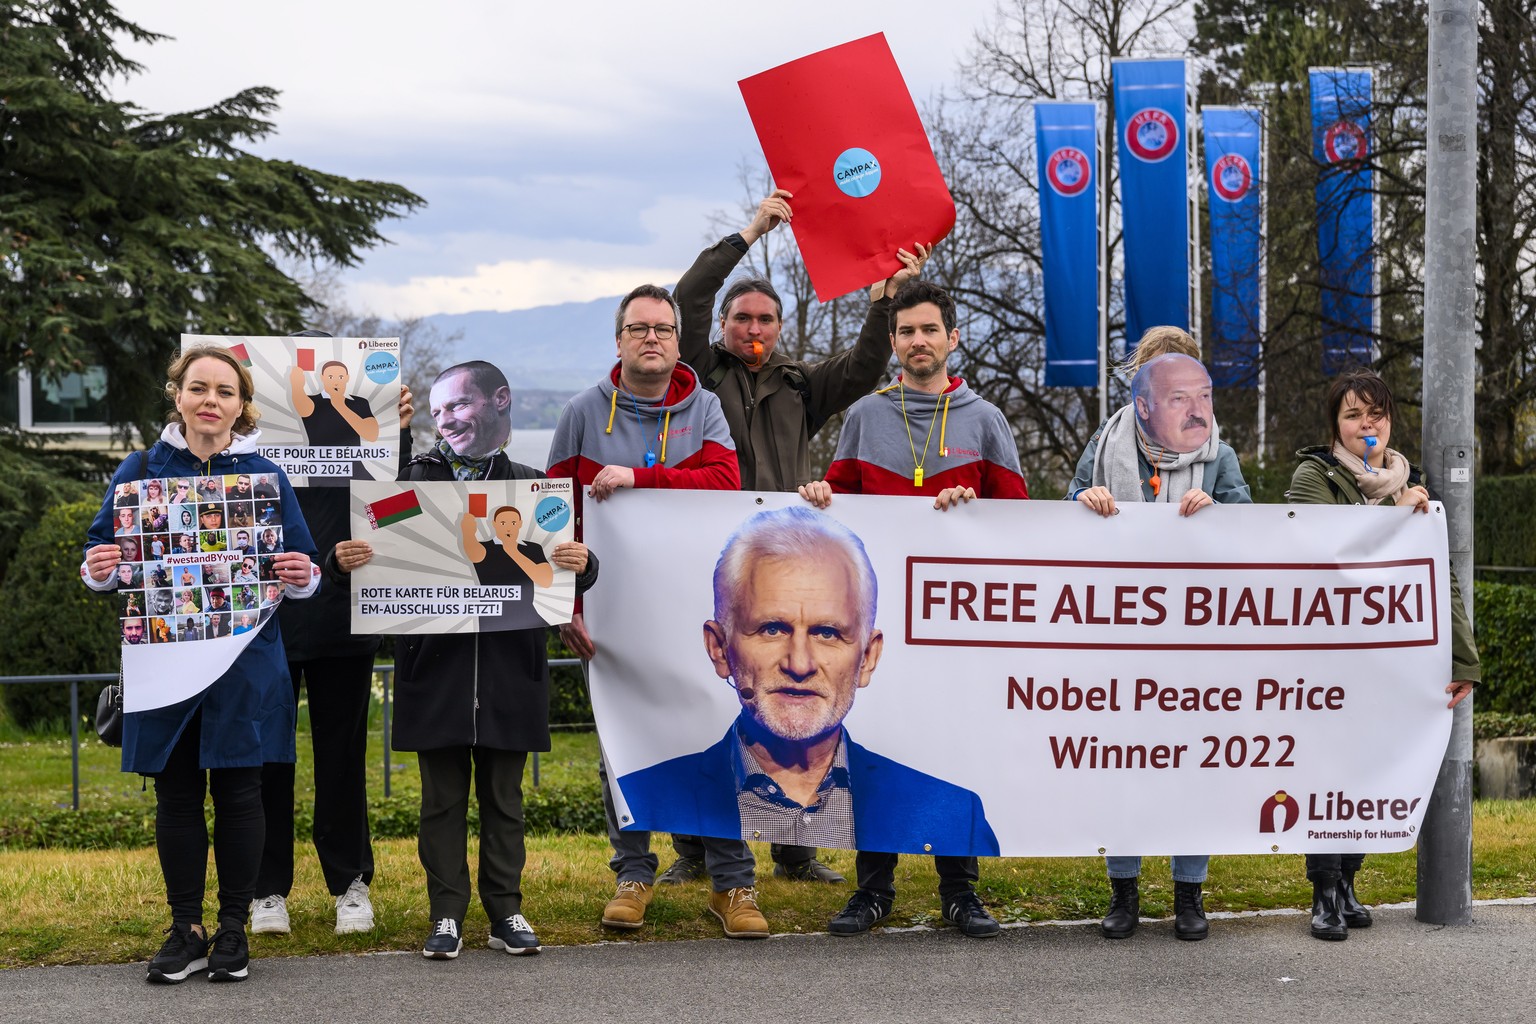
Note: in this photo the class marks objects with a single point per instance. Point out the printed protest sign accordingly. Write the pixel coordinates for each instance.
(197, 569)
(462, 557)
(329, 406)
(1020, 678)
(840, 132)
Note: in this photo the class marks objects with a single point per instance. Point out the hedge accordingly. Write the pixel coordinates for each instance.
(574, 807)
(1503, 529)
(1505, 616)
(52, 624)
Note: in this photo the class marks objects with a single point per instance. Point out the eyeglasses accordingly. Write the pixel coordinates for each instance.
(637, 332)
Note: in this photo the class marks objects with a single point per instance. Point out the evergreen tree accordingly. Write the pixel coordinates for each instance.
(120, 229)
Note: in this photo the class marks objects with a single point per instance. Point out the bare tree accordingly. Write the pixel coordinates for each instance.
(983, 134)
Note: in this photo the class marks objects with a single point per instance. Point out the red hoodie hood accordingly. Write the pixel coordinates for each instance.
(684, 382)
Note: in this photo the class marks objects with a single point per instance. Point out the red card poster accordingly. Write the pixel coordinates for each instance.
(477, 505)
(841, 133)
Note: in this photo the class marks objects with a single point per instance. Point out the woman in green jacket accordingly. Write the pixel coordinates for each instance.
(1359, 468)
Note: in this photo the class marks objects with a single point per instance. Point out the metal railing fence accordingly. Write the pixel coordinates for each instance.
(386, 672)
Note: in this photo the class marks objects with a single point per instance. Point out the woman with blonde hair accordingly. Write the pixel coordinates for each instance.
(217, 739)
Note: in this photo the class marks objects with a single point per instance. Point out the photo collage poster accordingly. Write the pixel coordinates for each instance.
(198, 556)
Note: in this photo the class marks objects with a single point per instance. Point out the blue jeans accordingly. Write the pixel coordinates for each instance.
(729, 861)
(1185, 869)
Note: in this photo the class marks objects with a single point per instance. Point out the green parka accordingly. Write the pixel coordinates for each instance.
(1320, 480)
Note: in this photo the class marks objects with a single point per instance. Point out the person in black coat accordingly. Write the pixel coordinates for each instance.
(472, 704)
(337, 669)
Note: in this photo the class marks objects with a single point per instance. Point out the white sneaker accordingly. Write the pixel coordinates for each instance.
(354, 912)
(269, 915)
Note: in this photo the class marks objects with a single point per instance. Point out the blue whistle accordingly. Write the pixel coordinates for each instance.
(1370, 443)
(650, 460)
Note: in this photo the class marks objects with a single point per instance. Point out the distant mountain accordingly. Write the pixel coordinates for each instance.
(561, 348)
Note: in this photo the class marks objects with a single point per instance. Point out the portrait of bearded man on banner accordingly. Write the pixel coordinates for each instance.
(794, 634)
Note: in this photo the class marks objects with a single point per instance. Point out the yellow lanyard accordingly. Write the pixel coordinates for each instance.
(917, 471)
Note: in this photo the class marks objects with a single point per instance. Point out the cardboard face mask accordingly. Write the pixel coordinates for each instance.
(1172, 394)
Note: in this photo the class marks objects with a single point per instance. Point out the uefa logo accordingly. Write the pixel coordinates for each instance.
(1068, 171)
(1231, 177)
(1344, 142)
(1151, 135)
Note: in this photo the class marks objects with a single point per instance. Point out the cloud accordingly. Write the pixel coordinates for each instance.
(566, 151)
(503, 286)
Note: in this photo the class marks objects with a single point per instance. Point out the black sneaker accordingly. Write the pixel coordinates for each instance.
(231, 957)
(684, 869)
(966, 913)
(444, 943)
(863, 911)
(184, 952)
(514, 935)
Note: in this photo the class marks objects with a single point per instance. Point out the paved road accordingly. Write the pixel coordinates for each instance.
(1258, 968)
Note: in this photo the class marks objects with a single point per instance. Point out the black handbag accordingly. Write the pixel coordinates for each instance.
(109, 713)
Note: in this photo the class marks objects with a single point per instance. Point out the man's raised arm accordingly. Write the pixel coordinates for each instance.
(696, 289)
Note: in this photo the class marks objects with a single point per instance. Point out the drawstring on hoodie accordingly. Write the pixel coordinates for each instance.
(663, 425)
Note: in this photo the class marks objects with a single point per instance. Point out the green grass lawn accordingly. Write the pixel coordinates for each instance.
(104, 906)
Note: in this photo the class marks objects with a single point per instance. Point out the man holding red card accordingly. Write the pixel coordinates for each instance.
(774, 406)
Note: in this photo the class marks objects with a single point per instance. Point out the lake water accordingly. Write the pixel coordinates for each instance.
(530, 447)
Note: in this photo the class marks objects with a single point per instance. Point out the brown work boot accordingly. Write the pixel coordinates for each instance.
(627, 908)
(737, 910)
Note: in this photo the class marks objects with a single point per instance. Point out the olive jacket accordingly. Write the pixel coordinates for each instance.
(1320, 480)
(774, 412)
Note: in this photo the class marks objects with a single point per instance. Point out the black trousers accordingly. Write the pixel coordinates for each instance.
(1330, 867)
(339, 691)
(181, 832)
(691, 846)
(443, 842)
(877, 873)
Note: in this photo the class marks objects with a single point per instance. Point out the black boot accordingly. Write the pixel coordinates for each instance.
(1189, 912)
(1327, 922)
(1124, 908)
(1356, 914)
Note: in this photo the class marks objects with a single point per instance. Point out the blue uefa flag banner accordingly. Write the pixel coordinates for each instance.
(1341, 134)
(1234, 139)
(1067, 143)
(1154, 193)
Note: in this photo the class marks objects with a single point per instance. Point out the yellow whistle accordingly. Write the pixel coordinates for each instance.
(917, 477)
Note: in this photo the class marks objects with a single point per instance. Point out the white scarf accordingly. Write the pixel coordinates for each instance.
(1117, 467)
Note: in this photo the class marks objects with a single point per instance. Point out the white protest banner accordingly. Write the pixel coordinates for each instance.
(461, 557)
(196, 581)
(1037, 680)
(329, 406)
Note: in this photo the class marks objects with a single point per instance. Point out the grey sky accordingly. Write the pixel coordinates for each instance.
(567, 150)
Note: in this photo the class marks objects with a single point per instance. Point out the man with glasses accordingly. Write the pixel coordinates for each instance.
(649, 424)
(774, 406)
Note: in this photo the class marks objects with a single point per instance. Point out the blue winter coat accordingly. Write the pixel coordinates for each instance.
(249, 711)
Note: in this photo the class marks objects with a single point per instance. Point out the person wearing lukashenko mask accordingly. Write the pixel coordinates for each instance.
(1164, 447)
